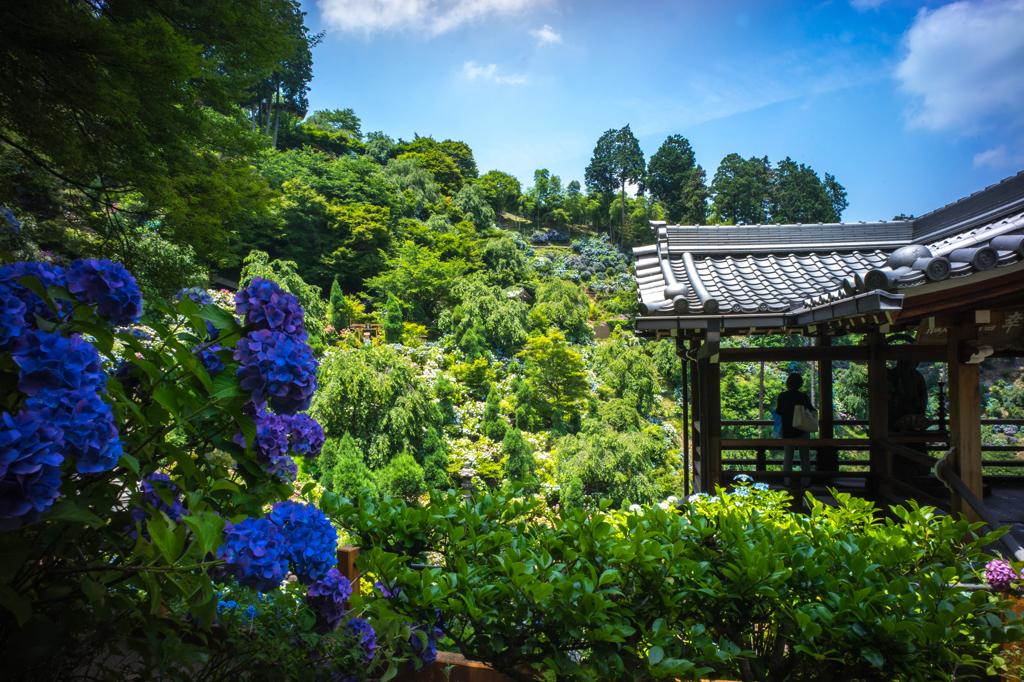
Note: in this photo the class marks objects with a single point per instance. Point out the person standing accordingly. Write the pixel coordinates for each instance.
(785, 406)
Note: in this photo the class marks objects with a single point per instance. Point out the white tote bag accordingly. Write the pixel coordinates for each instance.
(805, 419)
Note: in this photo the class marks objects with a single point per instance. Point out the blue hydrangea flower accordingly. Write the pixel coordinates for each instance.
(362, 632)
(278, 370)
(50, 361)
(251, 612)
(151, 499)
(47, 274)
(427, 654)
(7, 215)
(760, 486)
(12, 319)
(255, 553)
(271, 444)
(284, 467)
(198, 294)
(229, 605)
(264, 305)
(212, 363)
(108, 286)
(307, 436)
(90, 436)
(30, 459)
(312, 542)
(328, 596)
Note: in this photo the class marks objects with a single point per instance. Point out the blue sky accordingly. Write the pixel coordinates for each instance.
(910, 105)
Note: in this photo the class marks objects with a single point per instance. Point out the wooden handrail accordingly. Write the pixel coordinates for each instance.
(916, 493)
(759, 443)
(944, 473)
(906, 452)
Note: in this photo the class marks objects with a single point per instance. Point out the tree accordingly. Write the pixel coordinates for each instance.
(446, 173)
(799, 196)
(422, 278)
(519, 460)
(741, 190)
(527, 418)
(617, 160)
(403, 477)
(505, 261)
(609, 465)
(564, 305)
(393, 320)
(462, 156)
(498, 320)
(625, 367)
(676, 180)
(336, 119)
(348, 474)
(493, 425)
(502, 191)
(416, 187)
(337, 309)
(472, 201)
(435, 461)
(556, 371)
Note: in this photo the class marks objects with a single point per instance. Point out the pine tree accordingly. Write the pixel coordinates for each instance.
(393, 321)
(445, 392)
(350, 476)
(474, 341)
(492, 425)
(519, 459)
(435, 461)
(403, 477)
(338, 310)
(527, 418)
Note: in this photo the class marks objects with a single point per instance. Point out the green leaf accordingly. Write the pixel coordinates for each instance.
(16, 603)
(227, 385)
(130, 462)
(167, 399)
(220, 318)
(32, 283)
(873, 656)
(68, 512)
(654, 655)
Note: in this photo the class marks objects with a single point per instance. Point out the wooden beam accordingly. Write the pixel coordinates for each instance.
(964, 393)
(694, 425)
(878, 417)
(829, 353)
(985, 292)
(778, 443)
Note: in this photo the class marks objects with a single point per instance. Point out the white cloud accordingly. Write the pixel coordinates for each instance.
(865, 5)
(430, 16)
(546, 34)
(965, 66)
(999, 157)
(472, 71)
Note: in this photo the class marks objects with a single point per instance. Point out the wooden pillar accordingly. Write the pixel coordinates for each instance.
(681, 354)
(711, 410)
(828, 458)
(964, 416)
(695, 444)
(878, 417)
(347, 556)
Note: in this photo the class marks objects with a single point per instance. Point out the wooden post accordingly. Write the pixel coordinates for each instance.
(681, 354)
(964, 417)
(711, 411)
(695, 398)
(828, 458)
(878, 417)
(347, 556)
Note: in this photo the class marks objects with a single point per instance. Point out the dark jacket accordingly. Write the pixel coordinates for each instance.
(785, 405)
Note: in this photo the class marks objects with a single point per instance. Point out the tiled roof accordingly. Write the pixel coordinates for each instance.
(783, 269)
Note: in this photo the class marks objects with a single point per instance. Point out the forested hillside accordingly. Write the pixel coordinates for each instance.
(487, 288)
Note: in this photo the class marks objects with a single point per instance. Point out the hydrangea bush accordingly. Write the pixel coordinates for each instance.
(135, 467)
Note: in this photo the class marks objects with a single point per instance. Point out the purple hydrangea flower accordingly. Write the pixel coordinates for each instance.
(12, 319)
(108, 286)
(328, 596)
(48, 275)
(198, 294)
(90, 436)
(30, 459)
(151, 499)
(271, 444)
(210, 360)
(362, 632)
(999, 574)
(49, 361)
(312, 542)
(255, 553)
(427, 654)
(265, 305)
(277, 369)
(306, 433)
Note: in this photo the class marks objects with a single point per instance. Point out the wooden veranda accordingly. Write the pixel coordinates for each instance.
(952, 281)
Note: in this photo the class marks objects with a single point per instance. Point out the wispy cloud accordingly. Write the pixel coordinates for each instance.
(865, 5)
(473, 71)
(999, 157)
(546, 35)
(432, 16)
(963, 66)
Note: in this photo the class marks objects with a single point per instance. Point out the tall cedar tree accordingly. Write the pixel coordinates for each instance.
(519, 460)
(492, 425)
(338, 309)
(617, 160)
(435, 460)
(393, 321)
(676, 180)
